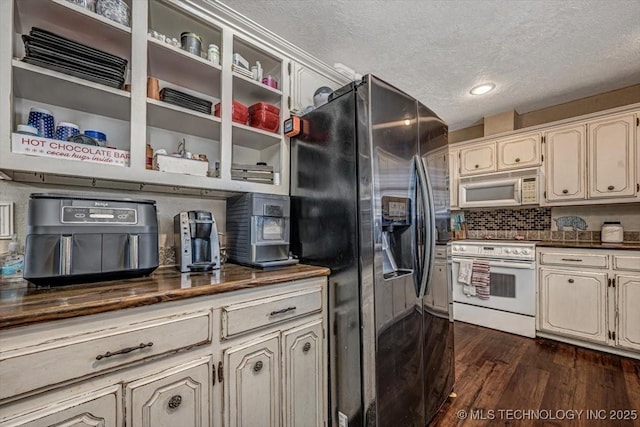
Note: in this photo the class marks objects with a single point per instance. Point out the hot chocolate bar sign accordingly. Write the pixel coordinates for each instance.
(46, 147)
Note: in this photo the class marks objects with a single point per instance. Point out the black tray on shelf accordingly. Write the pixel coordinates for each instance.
(75, 72)
(168, 93)
(59, 43)
(73, 62)
(188, 105)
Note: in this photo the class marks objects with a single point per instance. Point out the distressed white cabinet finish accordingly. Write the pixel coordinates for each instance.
(585, 293)
(304, 82)
(590, 297)
(565, 163)
(178, 396)
(302, 354)
(252, 387)
(453, 178)
(628, 311)
(97, 408)
(520, 152)
(478, 159)
(612, 167)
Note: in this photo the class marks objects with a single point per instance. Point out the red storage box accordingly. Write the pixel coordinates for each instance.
(240, 112)
(260, 106)
(265, 120)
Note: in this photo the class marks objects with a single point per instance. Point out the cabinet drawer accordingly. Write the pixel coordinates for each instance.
(582, 260)
(63, 358)
(250, 315)
(626, 262)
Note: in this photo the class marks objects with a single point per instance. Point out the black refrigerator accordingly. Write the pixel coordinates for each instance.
(365, 203)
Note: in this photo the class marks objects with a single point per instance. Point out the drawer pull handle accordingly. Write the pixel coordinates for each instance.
(610, 188)
(124, 351)
(258, 366)
(175, 401)
(284, 310)
(565, 191)
(571, 280)
(517, 159)
(306, 347)
(571, 259)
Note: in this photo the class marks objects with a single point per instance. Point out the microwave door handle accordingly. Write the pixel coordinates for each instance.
(428, 226)
(518, 191)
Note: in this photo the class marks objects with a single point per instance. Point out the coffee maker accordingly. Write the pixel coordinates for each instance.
(195, 237)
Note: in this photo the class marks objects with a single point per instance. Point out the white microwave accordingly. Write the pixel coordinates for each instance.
(500, 189)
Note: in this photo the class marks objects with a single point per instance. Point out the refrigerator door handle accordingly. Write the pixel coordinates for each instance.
(418, 228)
(429, 225)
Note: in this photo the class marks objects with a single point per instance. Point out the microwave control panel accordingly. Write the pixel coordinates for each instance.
(529, 190)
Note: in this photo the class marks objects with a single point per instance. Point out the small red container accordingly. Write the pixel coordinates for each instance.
(265, 120)
(240, 112)
(264, 106)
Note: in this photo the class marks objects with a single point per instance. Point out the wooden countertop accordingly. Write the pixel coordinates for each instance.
(634, 246)
(22, 303)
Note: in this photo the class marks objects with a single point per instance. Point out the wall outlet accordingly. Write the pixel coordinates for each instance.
(343, 420)
(6, 220)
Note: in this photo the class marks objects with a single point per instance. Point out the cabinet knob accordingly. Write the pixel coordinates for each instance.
(306, 347)
(477, 166)
(571, 280)
(611, 187)
(565, 191)
(517, 159)
(258, 366)
(175, 401)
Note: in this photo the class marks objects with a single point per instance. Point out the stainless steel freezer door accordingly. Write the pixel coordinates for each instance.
(391, 307)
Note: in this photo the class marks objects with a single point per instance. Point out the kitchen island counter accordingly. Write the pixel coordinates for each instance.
(22, 303)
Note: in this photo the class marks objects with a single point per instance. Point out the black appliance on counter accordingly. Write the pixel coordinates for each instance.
(78, 238)
(195, 236)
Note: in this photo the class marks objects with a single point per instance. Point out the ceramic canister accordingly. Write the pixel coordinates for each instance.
(116, 10)
(42, 120)
(66, 130)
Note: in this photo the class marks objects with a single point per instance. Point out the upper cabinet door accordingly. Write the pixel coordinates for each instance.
(612, 157)
(478, 159)
(565, 163)
(520, 152)
(304, 82)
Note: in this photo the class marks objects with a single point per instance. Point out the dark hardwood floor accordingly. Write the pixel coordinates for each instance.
(505, 378)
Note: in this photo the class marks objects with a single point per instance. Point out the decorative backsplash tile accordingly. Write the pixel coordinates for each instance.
(509, 219)
(167, 256)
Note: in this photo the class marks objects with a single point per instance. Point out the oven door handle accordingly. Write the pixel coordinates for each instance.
(504, 264)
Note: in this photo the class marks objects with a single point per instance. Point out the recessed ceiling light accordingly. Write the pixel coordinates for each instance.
(482, 89)
(407, 122)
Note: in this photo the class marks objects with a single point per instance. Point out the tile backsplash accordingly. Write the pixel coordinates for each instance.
(167, 206)
(541, 223)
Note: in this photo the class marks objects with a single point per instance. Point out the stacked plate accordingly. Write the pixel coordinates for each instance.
(241, 70)
(182, 99)
(48, 50)
(253, 173)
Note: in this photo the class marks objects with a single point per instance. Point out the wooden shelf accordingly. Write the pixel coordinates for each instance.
(51, 87)
(170, 63)
(178, 119)
(249, 91)
(74, 22)
(250, 137)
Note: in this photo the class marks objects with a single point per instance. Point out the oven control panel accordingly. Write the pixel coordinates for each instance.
(489, 249)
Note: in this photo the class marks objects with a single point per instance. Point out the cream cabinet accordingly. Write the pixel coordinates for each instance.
(453, 178)
(565, 163)
(590, 297)
(585, 293)
(628, 313)
(304, 82)
(612, 167)
(593, 161)
(478, 159)
(519, 152)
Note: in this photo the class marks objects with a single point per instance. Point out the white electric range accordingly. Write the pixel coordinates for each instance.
(511, 306)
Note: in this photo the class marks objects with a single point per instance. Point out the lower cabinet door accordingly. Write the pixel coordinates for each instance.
(252, 383)
(178, 396)
(628, 312)
(101, 408)
(303, 376)
(574, 303)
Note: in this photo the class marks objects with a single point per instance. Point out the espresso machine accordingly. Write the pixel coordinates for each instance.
(195, 237)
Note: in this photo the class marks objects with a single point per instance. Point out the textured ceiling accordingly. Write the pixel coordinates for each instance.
(538, 53)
